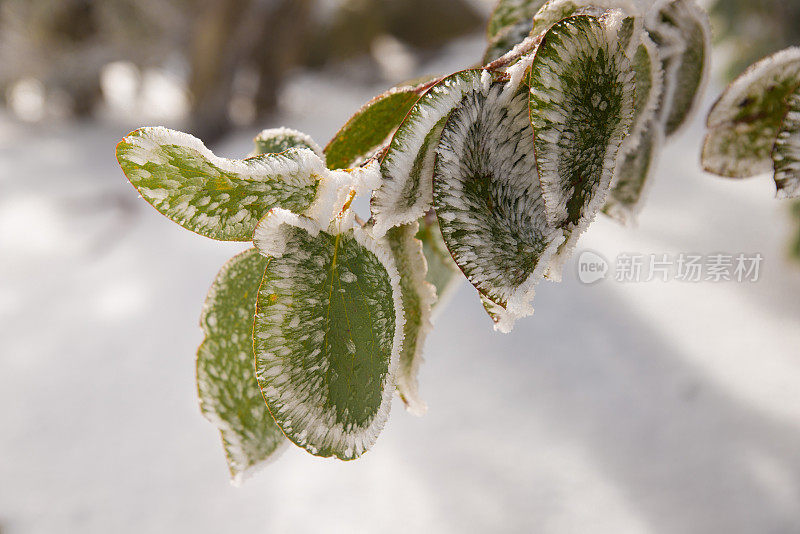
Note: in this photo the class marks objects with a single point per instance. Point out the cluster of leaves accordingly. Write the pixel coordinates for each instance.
(491, 172)
(754, 127)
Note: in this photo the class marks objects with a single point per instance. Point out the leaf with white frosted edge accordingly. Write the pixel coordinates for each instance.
(212, 196)
(226, 382)
(370, 126)
(507, 40)
(328, 333)
(443, 272)
(633, 176)
(277, 140)
(508, 13)
(418, 298)
(682, 33)
(405, 192)
(745, 122)
(786, 154)
(649, 85)
(581, 104)
(557, 10)
(488, 199)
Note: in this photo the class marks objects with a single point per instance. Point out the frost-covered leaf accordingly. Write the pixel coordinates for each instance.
(649, 86)
(795, 248)
(581, 105)
(512, 34)
(787, 150)
(405, 193)
(744, 123)
(633, 176)
(370, 126)
(328, 333)
(226, 381)
(418, 298)
(212, 196)
(443, 272)
(488, 199)
(277, 140)
(557, 10)
(509, 13)
(682, 33)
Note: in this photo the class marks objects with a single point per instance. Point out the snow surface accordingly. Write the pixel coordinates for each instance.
(649, 408)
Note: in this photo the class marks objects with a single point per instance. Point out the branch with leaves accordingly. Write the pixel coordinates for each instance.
(490, 174)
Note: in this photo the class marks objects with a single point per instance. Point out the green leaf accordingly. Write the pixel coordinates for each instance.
(511, 23)
(405, 193)
(370, 126)
(683, 35)
(649, 86)
(226, 382)
(509, 13)
(328, 333)
(418, 298)
(633, 176)
(488, 199)
(277, 140)
(443, 272)
(745, 122)
(216, 197)
(557, 10)
(581, 104)
(787, 151)
(642, 145)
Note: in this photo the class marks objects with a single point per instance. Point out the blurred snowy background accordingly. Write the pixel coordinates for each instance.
(625, 408)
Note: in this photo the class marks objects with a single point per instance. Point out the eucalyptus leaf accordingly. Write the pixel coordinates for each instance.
(557, 10)
(226, 381)
(582, 101)
(212, 196)
(443, 272)
(786, 154)
(683, 34)
(744, 123)
(405, 192)
(488, 199)
(509, 13)
(277, 140)
(649, 87)
(328, 333)
(418, 298)
(370, 126)
(634, 175)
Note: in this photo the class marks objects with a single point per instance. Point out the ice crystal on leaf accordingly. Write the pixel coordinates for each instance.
(370, 126)
(277, 140)
(682, 33)
(226, 384)
(419, 296)
(216, 197)
(488, 197)
(327, 334)
(753, 126)
(582, 97)
(786, 154)
(405, 193)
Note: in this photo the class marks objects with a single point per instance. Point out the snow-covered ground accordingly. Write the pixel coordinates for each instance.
(624, 408)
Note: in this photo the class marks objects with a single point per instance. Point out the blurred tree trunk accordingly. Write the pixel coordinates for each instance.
(215, 51)
(266, 36)
(281, 48)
